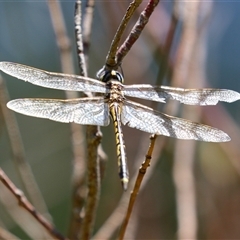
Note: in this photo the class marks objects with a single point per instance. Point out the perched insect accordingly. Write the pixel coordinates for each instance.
(96, 110)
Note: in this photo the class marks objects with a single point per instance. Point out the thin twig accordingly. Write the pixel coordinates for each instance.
(115, 220)
(136, 31)
(93, 182)
(79, 167)
(111, 61)
(93, 136)
(137, 185)
(24, 203)
(25, 173)
(79, 189)
(79, 38)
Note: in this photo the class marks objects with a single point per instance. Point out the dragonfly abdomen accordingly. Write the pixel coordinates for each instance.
(115, 110)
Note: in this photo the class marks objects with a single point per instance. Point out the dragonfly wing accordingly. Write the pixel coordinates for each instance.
(207, 96)
(146, 119)
(52, 80)
(94, 111)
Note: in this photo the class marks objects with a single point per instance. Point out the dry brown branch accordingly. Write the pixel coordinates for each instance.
(93, 183)
(79, 167)
(93, 132)
(24, 170)
(134, 193)
(136, 31)
(111, 61)
(24, 203)
(93, 137)
(79, 38)
(115, 220)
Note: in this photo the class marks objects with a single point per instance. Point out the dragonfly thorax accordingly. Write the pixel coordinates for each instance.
(108, 75)
(115, 91)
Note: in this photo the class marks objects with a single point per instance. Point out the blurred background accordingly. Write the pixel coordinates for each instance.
(27, 37)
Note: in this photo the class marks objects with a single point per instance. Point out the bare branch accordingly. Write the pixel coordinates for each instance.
(115, 220)
(93, 136)
(24, 203)
(136, 31)
(93, 182)
(78, 138)
(79, 38)
(23, 168)
(111, 61)
(137, 185)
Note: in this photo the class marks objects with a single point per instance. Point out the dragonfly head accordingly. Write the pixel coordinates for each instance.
(107, 75)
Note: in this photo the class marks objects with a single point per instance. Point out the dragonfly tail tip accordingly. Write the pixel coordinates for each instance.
(124, 183)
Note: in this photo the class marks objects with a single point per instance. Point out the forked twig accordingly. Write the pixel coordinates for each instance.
(137, 185)
(116, 217)
(23, 202)
(111, 61)
(93, 133)
(93, 136)
(79, 167)
(136, 31)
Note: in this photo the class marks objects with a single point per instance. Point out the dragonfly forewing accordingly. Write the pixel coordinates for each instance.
(148, 120)
(207, 96)
(94, 111)
(53, 80)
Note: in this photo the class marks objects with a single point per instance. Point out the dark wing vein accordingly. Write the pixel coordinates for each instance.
(146, 119)
(53, 80)
(207, 96)
(94, 111)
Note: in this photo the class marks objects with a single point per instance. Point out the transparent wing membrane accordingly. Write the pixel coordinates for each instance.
(206, 96)
(94, 111)
(148, 120)
(53, 80)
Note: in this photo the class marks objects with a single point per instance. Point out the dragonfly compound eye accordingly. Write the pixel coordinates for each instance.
(107, 75)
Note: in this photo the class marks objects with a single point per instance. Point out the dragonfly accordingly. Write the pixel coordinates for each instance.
(113, 104)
